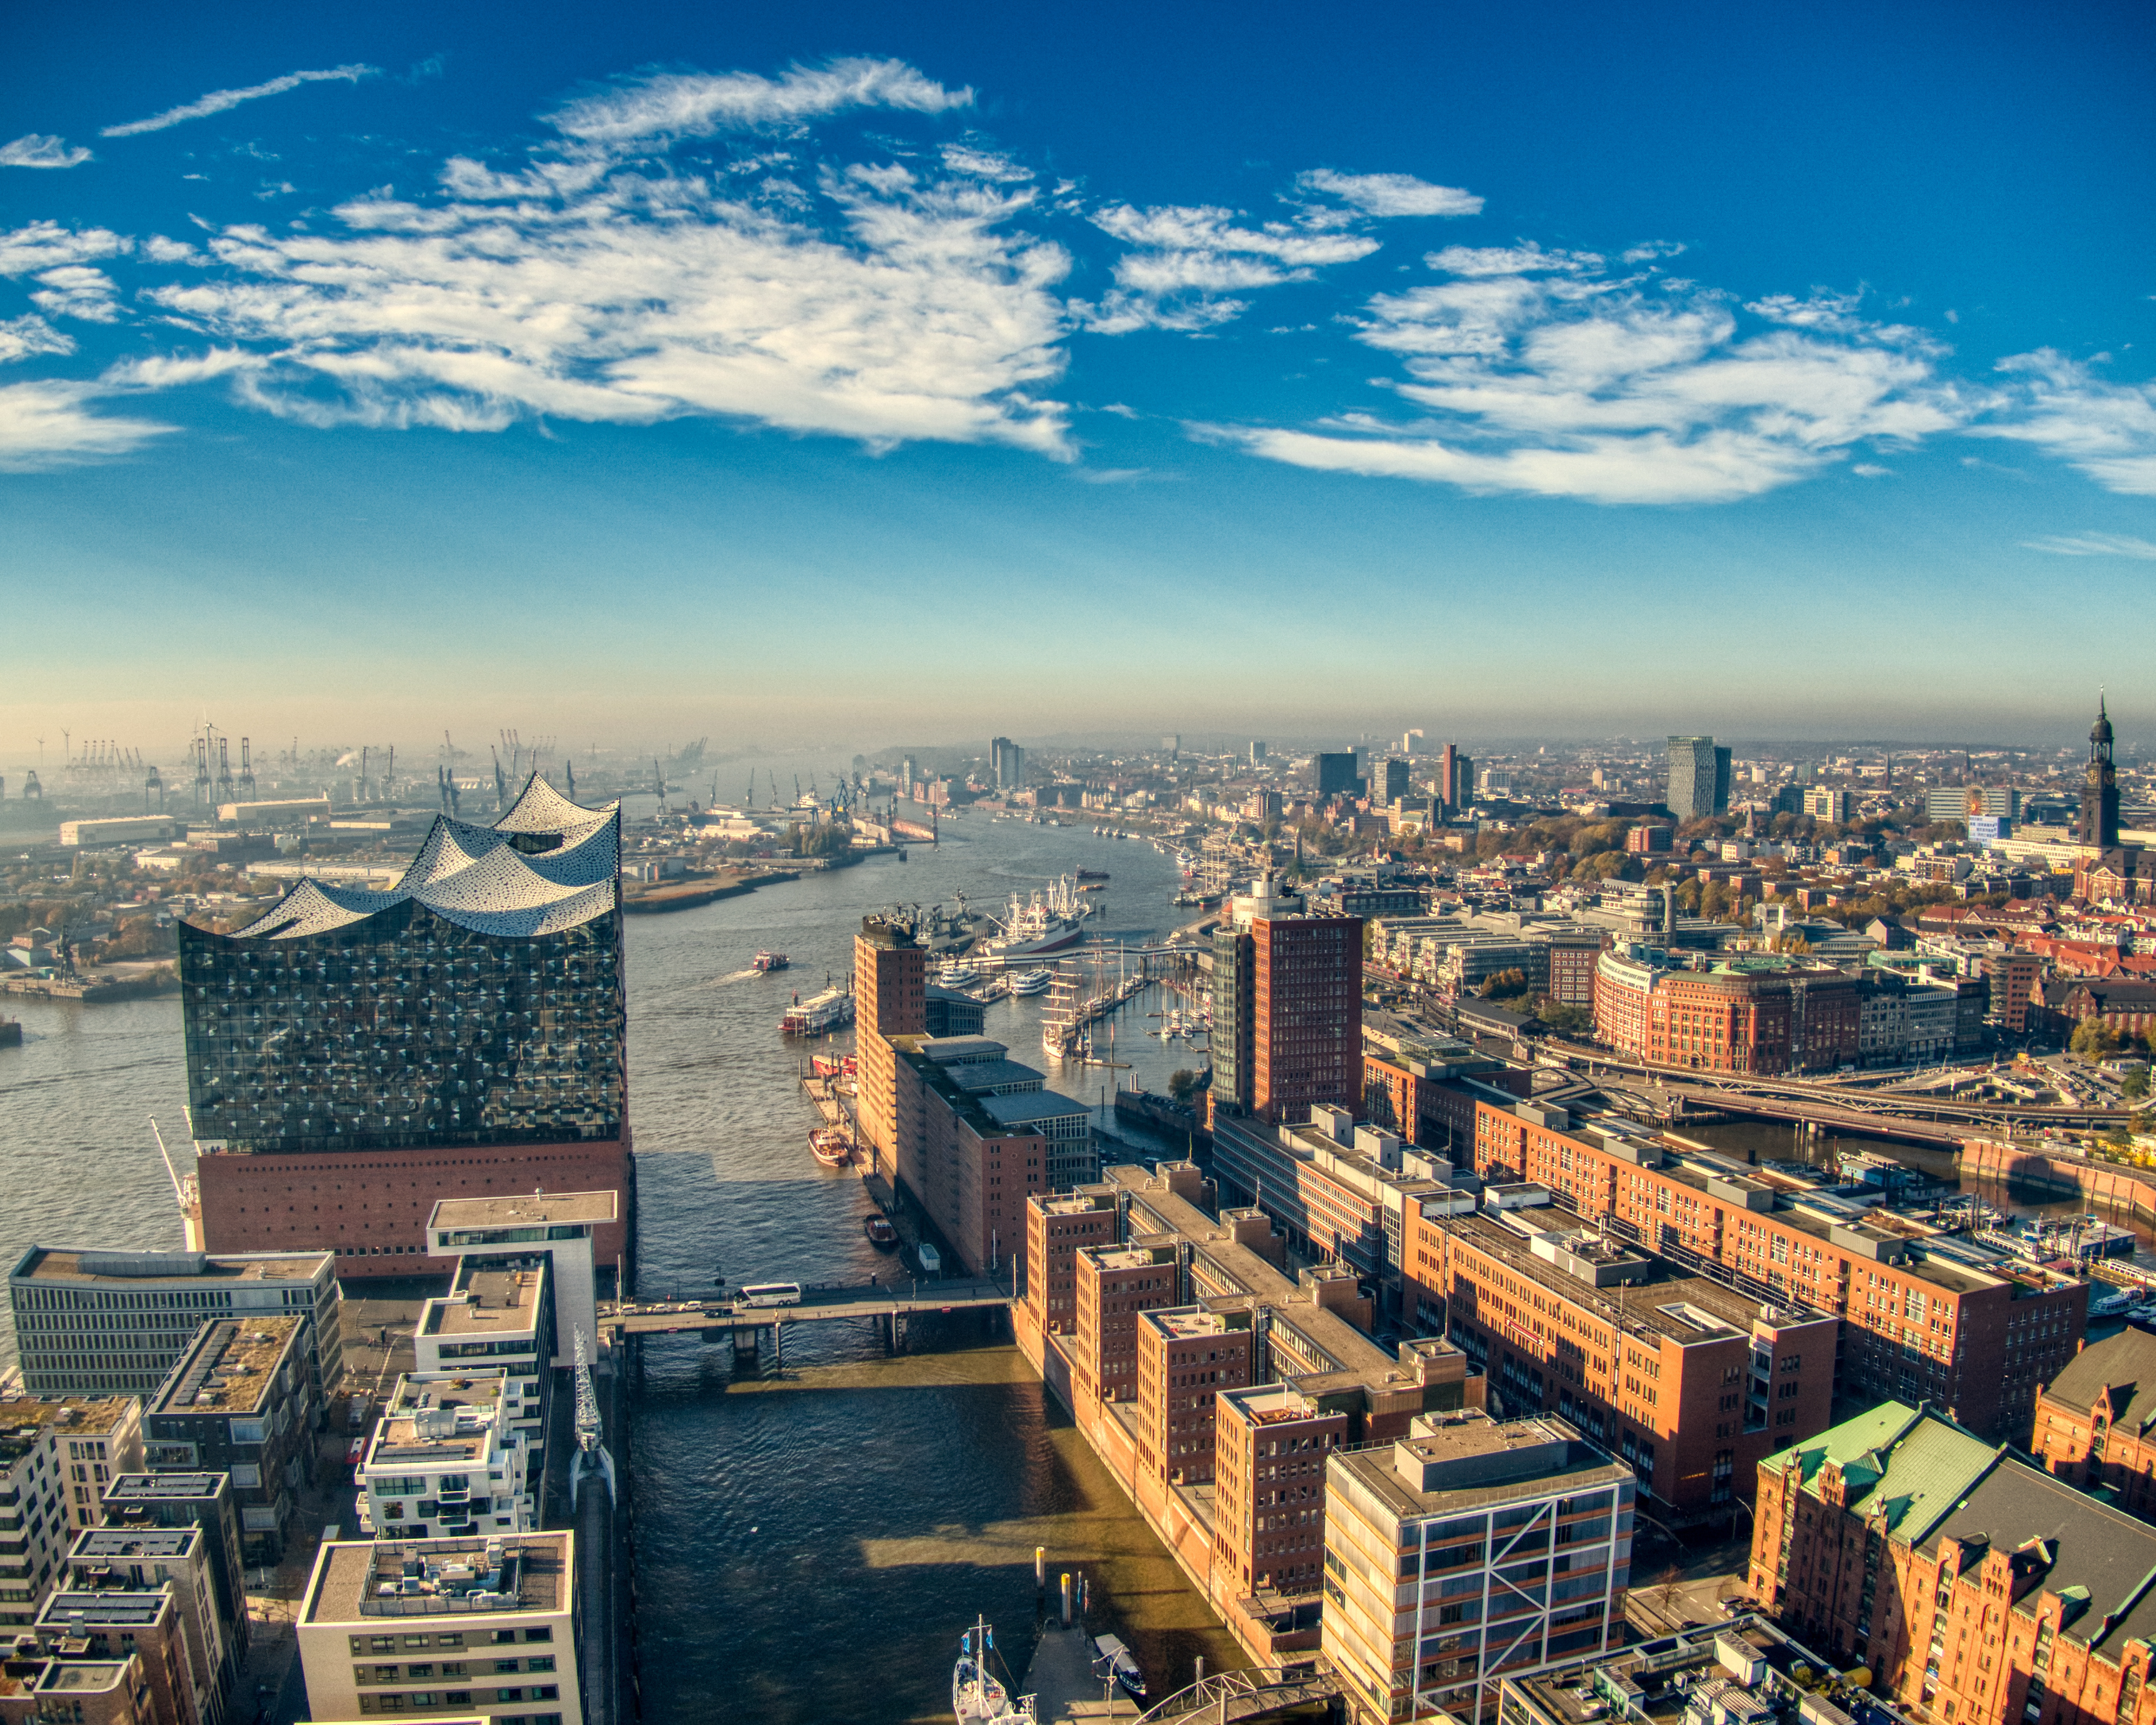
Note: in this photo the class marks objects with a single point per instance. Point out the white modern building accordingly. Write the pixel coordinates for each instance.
(478, 1629)
(446, 1460)
(558, 1225)
(499, 1313)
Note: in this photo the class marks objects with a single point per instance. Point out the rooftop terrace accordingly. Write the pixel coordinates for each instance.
(357, 1579)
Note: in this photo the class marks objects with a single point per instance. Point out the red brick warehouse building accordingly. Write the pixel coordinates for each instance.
(356, 1056)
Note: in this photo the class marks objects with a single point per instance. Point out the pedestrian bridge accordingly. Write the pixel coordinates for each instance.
(1227, 1695)
(895, 1298)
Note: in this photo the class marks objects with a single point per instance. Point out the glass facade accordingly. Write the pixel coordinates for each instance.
(405, 1029)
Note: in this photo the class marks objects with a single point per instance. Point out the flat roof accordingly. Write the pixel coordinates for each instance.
(1641, 1310)
(78, 1415)
(1272, 1404)
(165, 1487)
(1182, 1322)
(526, 1211)
(410, 1431)
(349, 1572)
(135, 1541)
(1127, 1257)
(486, 1303)
(1075, 1203)
(954, 1050)
(230, 1367)
(148, 1270)
(1583, 1468)
(1021, 1107)
(979, 1076)
(126, 1608)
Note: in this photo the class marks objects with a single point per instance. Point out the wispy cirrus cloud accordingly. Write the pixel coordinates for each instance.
(1536, 374)
(1184, 262)
(218, 100)
(47, 245)
(1390, 194)
(48, 425)
(24, 337)
(36, 149)
(2094, 545)
(2103, 429)
(700, 104)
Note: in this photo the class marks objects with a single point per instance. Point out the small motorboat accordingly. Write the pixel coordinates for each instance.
(831, 1146)
(1112, 1658)
(1032, 982)
(881, 1234)
(771, 961)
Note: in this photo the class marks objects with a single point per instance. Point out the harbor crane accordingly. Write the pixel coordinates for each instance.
(246, 771)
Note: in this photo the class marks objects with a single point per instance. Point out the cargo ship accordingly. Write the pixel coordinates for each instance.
(1047, 922)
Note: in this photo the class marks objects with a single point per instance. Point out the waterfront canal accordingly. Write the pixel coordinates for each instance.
(808, 1547)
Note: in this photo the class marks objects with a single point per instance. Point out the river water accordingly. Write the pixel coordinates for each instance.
(810, 1544)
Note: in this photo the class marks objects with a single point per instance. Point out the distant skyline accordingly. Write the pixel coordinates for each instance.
(834, 373)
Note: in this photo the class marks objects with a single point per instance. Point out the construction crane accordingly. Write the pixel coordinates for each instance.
(500, 785)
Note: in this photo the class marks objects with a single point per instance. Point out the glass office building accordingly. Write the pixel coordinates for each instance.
(479, 1001)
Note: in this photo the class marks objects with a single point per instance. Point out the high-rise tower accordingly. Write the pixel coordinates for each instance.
(2099, 823)
(890, 1000)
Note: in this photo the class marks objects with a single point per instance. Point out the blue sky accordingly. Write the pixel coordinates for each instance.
(834, 374)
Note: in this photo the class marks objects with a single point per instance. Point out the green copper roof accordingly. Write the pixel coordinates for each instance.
(1911, 1467)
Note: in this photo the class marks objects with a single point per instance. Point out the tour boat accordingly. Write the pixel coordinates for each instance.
(978, 1698)
(881, 1234)
(1032, 982)
(831, 1146)
(819, 1014)
(771, 961)
(955, 975)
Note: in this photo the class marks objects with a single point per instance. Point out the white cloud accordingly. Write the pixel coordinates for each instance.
(47, 425)
(2094, 545)
(2105, 430)
(1186, 256)
(47, 245)
(217, 100)
(1653, 251)
(880, 304)
(699, 104)
(158, 250)
(22, 338)
(983, 164)
(77, 290)
(1390, 194)
(1871, 470)
(38, 149)
(1553, 386)
(1525, 259)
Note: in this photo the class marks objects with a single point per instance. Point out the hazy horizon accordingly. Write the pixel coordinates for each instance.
(827, 372)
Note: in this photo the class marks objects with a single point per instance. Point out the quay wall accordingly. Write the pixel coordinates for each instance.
(2122, 1188)
(1173, 1516)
